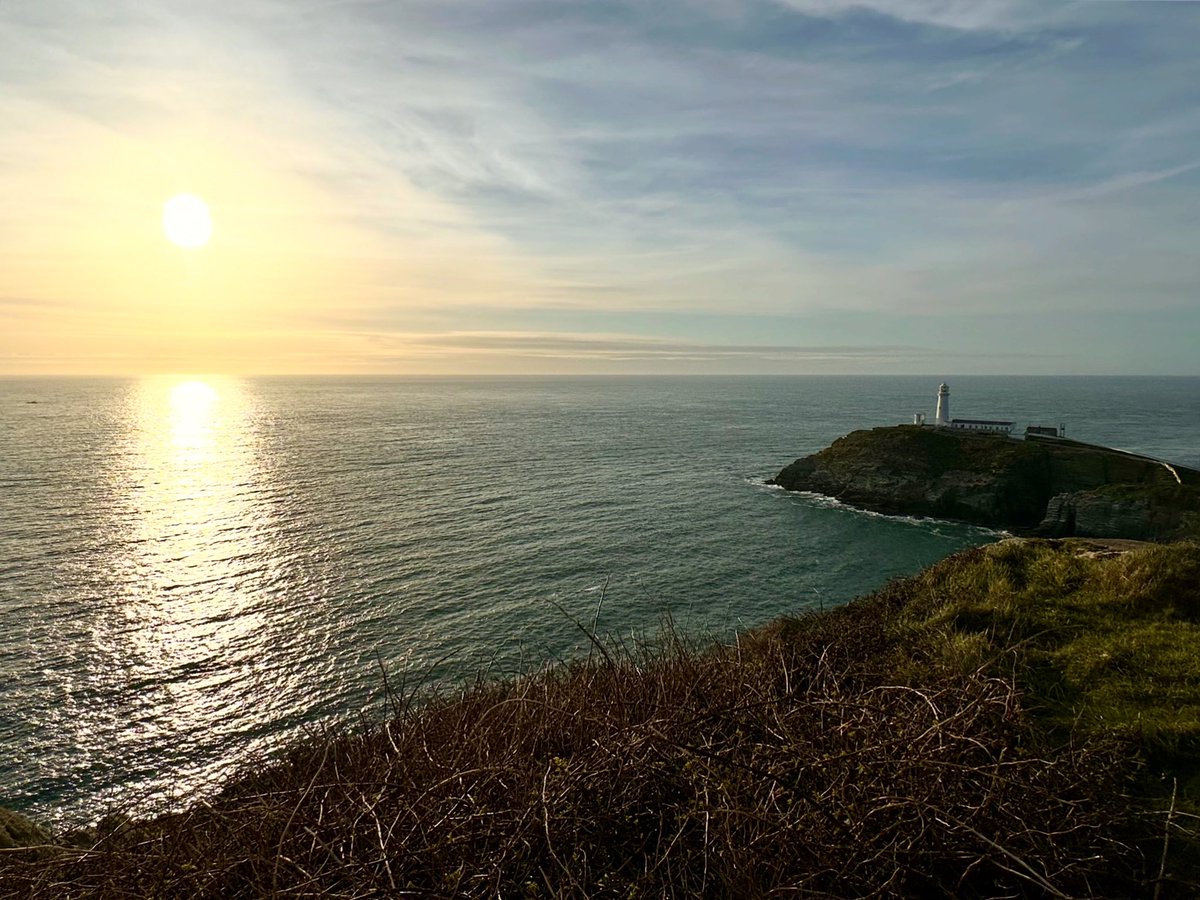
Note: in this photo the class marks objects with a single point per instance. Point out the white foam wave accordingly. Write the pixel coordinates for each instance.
(824, 501)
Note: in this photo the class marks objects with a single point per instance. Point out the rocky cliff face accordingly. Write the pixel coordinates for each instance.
(1125, 511)
(986, 479)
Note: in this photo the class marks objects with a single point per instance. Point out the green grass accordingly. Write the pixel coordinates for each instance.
(1109, 641)
(930, 451)
(1105, 644)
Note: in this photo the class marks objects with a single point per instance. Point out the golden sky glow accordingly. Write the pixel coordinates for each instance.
(92, 285)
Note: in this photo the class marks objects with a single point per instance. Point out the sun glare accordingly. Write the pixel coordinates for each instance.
(191, 413)
(186, 221)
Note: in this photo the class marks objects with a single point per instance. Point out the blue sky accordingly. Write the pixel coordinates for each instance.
(466, 186)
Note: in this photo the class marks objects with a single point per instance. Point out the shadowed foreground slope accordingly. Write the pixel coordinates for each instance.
(917, 742)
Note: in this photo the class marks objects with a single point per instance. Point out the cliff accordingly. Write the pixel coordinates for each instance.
(1157, 512)
(1031, 701)
(997, 481)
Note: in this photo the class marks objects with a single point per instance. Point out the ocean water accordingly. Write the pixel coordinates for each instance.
(192, 570)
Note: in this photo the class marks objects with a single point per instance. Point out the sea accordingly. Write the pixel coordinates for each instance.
(196, 570)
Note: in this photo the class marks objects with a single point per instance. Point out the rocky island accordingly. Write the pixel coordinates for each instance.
(1051, 487)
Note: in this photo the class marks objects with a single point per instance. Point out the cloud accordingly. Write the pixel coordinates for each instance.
(965, 15)
(600, 346)
(423, 164)
(626, 348)
(1124, 182)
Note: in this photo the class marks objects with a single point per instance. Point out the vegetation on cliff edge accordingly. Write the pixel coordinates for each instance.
(1009, 722)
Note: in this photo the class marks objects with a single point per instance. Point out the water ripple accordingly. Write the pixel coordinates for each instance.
(191, 570)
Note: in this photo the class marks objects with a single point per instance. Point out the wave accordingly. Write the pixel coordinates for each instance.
(824, 501)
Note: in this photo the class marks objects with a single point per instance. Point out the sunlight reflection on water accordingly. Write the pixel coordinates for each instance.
(185, 629)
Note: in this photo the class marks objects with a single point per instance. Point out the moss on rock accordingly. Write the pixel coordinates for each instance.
(18, 831)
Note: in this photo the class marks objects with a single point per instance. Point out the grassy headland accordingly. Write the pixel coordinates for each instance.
(1018, 720)
(1059, 488)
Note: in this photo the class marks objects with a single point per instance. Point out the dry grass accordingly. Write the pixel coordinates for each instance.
(795, 763)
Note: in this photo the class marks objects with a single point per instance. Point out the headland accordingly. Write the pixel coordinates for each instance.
(1047, 486)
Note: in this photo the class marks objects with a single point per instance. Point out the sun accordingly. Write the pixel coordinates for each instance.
(186, 221)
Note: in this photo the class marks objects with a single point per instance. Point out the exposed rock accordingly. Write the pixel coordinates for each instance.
(982, 478)
(18, 831)
(1157, 513)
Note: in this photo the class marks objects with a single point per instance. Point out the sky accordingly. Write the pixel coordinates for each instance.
(461, 187)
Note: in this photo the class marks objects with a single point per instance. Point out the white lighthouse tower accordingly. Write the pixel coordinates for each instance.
(942, 419)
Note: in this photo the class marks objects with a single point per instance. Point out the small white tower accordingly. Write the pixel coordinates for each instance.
(943, 408)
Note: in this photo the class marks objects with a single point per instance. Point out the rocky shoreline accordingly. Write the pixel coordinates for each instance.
(1054, 488)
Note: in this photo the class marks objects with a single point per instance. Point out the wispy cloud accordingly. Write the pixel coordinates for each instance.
(965, 15)
(1125, 182)
(599, 353)
(625, 347)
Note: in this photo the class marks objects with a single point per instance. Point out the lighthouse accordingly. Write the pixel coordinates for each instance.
(943, 408)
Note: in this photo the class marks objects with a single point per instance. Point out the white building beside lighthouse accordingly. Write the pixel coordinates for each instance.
(943, 420)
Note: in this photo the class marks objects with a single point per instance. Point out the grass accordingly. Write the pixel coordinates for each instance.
(1105, 642)
(1109, 642)
(995, 726)
(931, 451)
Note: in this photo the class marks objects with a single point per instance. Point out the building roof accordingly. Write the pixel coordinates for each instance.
(980, 422)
